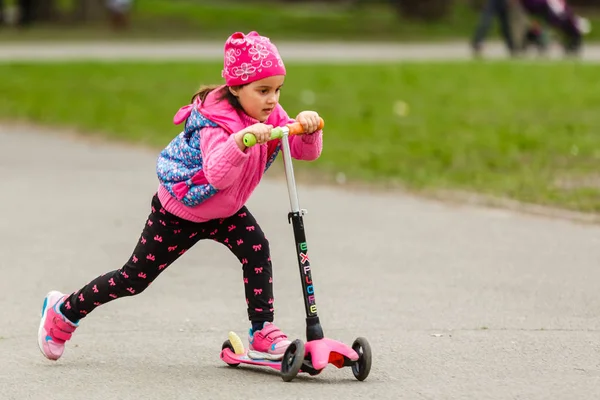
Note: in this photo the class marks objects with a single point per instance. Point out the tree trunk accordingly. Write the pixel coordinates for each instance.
(45, 10)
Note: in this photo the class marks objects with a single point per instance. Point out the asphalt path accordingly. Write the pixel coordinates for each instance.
(458, 302)
(325, 52)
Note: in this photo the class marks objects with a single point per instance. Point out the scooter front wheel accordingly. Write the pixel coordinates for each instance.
(292, 360)
(362, 366)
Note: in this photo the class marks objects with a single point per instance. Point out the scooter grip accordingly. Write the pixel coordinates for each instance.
(297, 129)
(294, 129)
(250, 140)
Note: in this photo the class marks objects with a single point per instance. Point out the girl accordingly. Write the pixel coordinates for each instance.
(206, 175)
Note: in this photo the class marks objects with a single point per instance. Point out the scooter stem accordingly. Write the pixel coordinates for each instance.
(289, 172)
(314, 331)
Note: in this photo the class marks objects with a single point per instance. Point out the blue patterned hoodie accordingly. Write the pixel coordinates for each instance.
(204, 175)
(179, 166)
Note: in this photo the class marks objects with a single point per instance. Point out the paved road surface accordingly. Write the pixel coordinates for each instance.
(457, 302)
(291, 51)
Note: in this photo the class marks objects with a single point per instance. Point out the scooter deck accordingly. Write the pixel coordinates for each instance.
(231, 358)
(234, 353)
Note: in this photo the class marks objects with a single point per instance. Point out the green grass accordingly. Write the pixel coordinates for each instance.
(303, 20)
(215, 20)
(527, 131)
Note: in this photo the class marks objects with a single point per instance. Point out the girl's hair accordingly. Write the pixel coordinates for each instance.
(225, 94)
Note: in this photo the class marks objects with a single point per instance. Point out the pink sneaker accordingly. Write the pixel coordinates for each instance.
(267, 344)
(55, 328)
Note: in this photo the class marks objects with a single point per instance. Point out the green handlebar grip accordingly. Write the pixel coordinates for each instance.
(250, 139)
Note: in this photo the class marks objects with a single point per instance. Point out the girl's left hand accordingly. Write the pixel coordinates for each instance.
(309, 121)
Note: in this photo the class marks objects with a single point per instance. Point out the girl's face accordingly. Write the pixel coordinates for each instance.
(259, 98)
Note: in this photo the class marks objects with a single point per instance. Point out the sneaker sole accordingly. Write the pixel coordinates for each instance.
(257, 355)
(49, 301)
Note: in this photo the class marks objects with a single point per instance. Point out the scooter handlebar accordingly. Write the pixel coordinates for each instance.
(277, 133)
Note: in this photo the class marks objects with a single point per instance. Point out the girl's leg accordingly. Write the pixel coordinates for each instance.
(164, 239)
(242, 234)
(244, 237)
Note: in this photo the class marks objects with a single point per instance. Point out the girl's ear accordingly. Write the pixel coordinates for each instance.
(234, 90)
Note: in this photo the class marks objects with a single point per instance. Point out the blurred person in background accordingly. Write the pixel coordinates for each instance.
(492, 9)
(119, 12)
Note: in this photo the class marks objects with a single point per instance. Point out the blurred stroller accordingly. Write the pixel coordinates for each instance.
(528, 18)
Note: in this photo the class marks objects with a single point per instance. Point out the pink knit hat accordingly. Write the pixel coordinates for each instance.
(249, 58)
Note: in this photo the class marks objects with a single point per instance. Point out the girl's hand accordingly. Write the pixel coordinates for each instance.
(262, 132)
(309, 121)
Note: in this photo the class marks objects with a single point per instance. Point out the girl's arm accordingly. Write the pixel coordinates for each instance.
(223, 159)
(306, 147)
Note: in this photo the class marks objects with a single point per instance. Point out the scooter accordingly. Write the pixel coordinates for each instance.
(318, 351)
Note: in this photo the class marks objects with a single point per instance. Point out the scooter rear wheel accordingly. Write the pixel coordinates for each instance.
(227, 345)
(362, 366)
(292, 360)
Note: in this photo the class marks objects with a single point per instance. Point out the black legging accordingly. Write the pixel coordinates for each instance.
(164, 239)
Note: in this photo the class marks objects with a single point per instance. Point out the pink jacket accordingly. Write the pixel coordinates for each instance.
(233, 172)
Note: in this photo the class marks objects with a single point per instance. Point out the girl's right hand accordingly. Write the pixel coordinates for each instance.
(261, 131)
